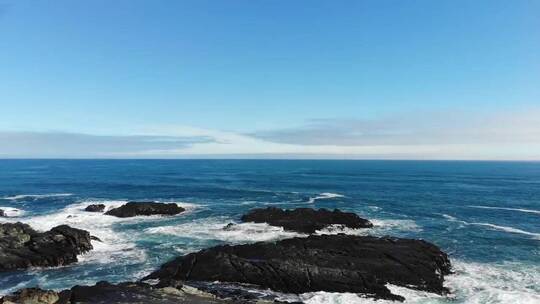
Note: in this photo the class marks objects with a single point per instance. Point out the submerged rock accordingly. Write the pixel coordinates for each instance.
(23, 247)
(95, 208)
(145, 208)
(333, 263)
(106, 293)
(305, 220)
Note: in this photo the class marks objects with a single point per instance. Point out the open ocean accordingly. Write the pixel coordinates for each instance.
(485, 215)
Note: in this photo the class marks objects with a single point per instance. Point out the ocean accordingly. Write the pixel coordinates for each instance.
(485, 215)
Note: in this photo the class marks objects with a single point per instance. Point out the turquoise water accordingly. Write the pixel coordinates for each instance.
(486, 215)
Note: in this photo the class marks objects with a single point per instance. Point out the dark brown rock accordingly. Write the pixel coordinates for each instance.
(95, 208)
(145, 208)
(106, 293)
(333, 263)
(305, 220)
(23, 247)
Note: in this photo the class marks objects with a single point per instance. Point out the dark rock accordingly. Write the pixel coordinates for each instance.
(305, 220)
(95, 208)
(106, 293)
(145, 208)
(229, 227)
(2, 213)
(33, 296)
(334, 263)
(23, 247)
(95, 238)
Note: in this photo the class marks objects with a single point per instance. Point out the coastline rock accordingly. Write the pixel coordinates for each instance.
(106, 293)
(333, 263)
(95, 208)
(23, 247)
(33, 296)
(145, 208)
(305, 220)
(2, 213)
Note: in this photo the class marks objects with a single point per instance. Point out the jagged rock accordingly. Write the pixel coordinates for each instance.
(305, 220)
(145, 208)
(33, 296)
(229, 227)
(2, 213)
(23, 247)
(106, 293)
(333, 263)
(95, 208)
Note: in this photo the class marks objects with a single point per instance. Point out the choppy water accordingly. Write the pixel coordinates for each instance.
(486, 215)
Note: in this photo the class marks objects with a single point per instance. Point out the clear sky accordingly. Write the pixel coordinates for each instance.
(297, 79)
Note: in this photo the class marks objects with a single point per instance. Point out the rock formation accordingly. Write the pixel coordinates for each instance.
(305, 220)
(23, 247)
(145, 208)
(333, 263)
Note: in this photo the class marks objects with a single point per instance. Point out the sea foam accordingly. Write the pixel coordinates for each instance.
(213, 228)
(324, 195)
(508, 209)
(471, 283)
(12, 212)
(35, 196)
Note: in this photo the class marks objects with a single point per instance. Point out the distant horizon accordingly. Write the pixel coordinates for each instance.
(290, 159)
(442, 80)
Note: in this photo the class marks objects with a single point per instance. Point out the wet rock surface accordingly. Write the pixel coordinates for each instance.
(95, 208)
(131, 209)
(23, 247)
(305, 220)
(334, 263)
(107, 293)
(2, 213)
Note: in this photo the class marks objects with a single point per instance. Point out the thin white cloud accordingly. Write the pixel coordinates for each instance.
(508, 136)
(452, 128)
(60, 144)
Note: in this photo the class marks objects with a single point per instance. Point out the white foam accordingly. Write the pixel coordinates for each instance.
(449, 217)
(12, 212)
(493, 226)
(324, 195)
(213, 229)
(380, 227)
(504, 283)
(472, 283)
(509, 229)
(35, 196)
(508, 209)
(117, 247)
(384, 225)
(337, 229)
(322, 297)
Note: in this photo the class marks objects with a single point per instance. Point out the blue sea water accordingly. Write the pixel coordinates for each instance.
(486, 215)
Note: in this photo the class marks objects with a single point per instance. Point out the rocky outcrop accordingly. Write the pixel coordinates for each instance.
(145, 208)
(2, 213)
(95, 208)
(33, 296)
(333, 263)
(305, 220)
(106, 293)
(23, 247)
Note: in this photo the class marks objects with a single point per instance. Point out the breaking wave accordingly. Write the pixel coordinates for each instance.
(35, 196)
(508, 209)
(214, 228)
(12, 212)
(494, 227)
(324, 195)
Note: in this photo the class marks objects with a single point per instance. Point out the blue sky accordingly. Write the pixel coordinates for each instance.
(336, 79)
